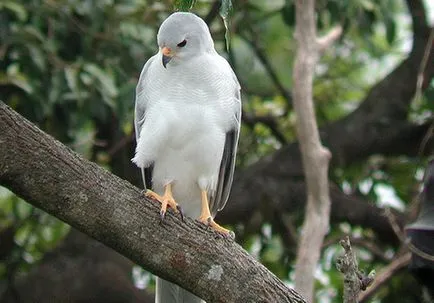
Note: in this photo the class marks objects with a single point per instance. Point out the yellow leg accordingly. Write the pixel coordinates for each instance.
(166, 200)
(206, 218)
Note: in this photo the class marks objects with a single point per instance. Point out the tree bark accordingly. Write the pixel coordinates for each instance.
(53, 178)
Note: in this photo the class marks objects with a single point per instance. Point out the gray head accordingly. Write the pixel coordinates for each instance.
(183, 36)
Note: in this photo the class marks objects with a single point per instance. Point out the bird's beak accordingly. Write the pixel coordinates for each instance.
(167, 55)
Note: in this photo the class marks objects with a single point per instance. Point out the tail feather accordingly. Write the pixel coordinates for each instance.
(167, 292)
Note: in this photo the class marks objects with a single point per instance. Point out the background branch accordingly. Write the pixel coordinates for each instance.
(354, 281)
(255, 44)
(382, 277)
(314, 156)
(325, 41)
(268, 120)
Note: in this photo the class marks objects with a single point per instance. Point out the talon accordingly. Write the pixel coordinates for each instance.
(166, 200)
(210, 223)
(181, 212)
(162, 216)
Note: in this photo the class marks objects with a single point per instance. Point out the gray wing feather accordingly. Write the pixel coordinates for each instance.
(139, 118)
(227, 165)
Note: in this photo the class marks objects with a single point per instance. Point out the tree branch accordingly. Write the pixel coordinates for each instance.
(388, 272)
(314, 156)
(374, 249)
(268, 120)
(418, 16)
(268, 67)
(48, 175)
(325, 41)
(213, 12)
(354, 281)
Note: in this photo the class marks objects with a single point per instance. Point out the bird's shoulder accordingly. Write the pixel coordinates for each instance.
(145, 74)
(216, 63)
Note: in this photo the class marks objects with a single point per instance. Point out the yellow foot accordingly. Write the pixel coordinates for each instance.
(153, 195)
(209, 221)
(206, 218)
(166, 200)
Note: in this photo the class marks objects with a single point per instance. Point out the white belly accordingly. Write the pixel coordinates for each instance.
(186, 147)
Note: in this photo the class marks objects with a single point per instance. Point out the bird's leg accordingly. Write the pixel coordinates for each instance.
(166, 200)
(206, 218)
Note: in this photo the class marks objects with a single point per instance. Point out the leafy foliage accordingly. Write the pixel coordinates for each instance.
(72, 66)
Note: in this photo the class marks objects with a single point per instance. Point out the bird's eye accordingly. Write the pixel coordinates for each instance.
(182, 44)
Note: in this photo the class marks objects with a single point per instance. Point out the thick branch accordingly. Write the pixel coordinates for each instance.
(314, 156)
(47, 174)
(418, 15)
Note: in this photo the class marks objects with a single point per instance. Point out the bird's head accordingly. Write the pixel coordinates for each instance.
(183, 36)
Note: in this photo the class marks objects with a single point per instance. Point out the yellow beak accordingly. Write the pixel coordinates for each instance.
(167, 55)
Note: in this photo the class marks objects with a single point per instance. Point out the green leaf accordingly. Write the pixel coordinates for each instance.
(390, 31)
(16, 77)
(71, 78)
(368, 5)
(18, 9)
(33, 33)
(107, 85)
(184, 5)
(38, 57)
(225, 11)
(288, 13)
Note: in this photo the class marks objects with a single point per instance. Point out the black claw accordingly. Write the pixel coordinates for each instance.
(219, 236)
(208, 221)
(181, 212)
(162, 216)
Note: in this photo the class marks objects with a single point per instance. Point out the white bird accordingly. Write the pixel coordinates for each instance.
(187, 123)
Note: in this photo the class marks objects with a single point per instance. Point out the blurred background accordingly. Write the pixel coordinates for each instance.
(71, 66)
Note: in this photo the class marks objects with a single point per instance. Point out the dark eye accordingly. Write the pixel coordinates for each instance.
(182, 44)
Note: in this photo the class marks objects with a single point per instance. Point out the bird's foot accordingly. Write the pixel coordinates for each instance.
(206, 218)
(209, 222)
(169, 201)
(166, 200)
(153, 195)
